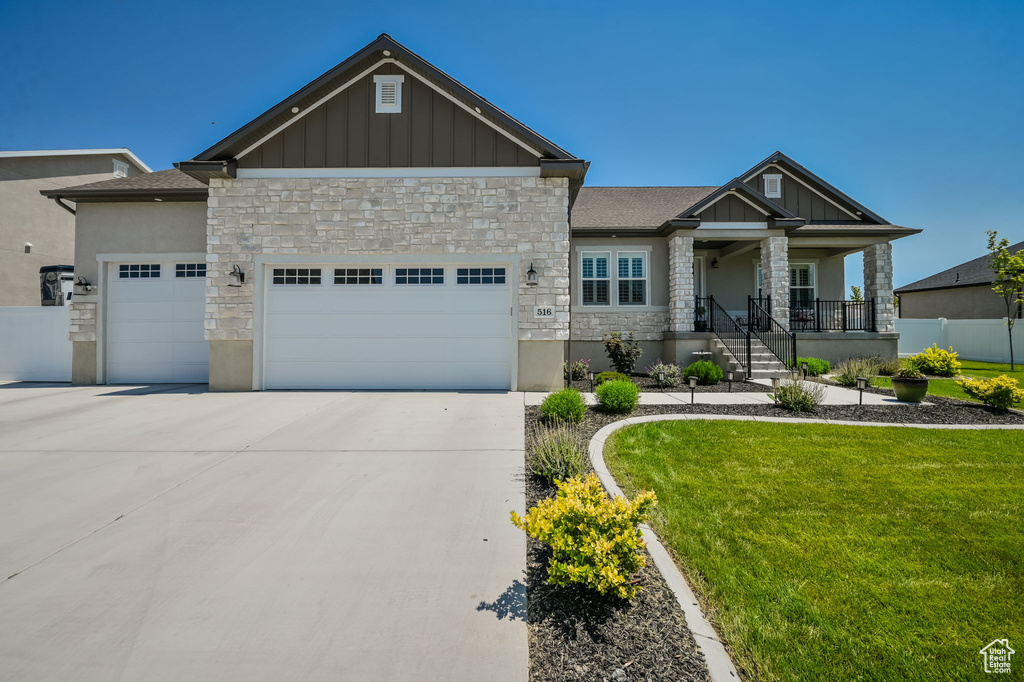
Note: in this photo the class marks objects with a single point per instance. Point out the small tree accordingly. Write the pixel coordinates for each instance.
(856, 293)
(1008, 269)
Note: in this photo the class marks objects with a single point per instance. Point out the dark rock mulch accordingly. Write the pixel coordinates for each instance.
(576, 634)
(648, 385)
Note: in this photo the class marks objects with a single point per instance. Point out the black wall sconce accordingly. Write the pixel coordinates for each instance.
(531, 277)
(82, 286)
(714, 263)
(239, 273)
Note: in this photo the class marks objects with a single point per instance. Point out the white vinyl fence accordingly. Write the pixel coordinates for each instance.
(983, 340)
(34, 344)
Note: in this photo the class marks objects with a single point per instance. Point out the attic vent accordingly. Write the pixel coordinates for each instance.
(773, 186)
(389, 94)
(120, 169)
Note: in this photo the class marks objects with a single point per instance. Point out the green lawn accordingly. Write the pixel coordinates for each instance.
(978, 370)
(841, 553)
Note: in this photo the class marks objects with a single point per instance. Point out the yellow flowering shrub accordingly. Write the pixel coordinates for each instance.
(937, 361)
(1002, 392)
(595, 540)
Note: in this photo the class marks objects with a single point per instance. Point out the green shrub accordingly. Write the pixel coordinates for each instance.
(799, 396)
(939, 362)
(886, 367)
(623, 352)
(610, 376)
(618, 396)
(815, 366)
(707, 372)
(909, 369)
(847, 371)
(566, 405)
(575, 371)
(1002, 392)
(670, 370)
(559, 451)
(595, 540)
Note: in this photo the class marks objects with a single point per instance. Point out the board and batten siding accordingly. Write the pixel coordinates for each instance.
(346, 132)
(798, 199)
(729, 209)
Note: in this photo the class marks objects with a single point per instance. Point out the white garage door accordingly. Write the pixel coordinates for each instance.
(388, 327)
(155, 316)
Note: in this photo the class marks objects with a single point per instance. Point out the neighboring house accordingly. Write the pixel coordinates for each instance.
(387, 227)
(34, 232)
(963, 292)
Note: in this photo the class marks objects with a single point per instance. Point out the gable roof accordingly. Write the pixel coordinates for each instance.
(738, 187)
(972, 273)
(384, 47)
(170, 185)
(124, 151)
(632, 207)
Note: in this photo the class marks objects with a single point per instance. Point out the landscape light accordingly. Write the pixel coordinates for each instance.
(693, 387)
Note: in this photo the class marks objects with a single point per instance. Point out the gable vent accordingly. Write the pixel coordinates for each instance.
(773, 186)
(389, 94)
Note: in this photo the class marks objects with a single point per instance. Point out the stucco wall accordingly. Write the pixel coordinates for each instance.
(735, 278)
(962, 303)
(27, 216)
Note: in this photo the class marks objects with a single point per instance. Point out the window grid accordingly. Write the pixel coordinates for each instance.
(480, 276)
(632, 278)
(359, 276)
(596, 281)
(190, 270)
(419, 275)
(138, 271)
(296, 276)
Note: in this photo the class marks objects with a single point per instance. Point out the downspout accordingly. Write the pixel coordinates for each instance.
(67, 208)
(568, 344)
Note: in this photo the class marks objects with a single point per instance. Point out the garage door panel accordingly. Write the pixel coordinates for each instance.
(144, 311)
(194, 373)
(144, 373)
(308, 300)
(474, 350)
(139, 353)
(145, 289)
(285, 325)
(196, 352)
(133, 332)
(293, 348)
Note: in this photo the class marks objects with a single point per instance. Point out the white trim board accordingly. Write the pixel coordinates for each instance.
(452, 172)
(470, 110)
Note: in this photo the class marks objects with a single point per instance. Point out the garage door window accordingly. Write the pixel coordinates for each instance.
(480, 276)
(419, 275)
(138, 271)
(359, 276)
(190, 270)
(296, 276)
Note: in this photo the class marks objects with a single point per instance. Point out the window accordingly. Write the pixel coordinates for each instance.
(190, 270)
(296, 276)
(480, 276)
(359, 276)
(632, 278)
(138, 271)
(419, 275)
(389, 94)
(773, 186)
(120, 169)
(596, 278)
(801, 285)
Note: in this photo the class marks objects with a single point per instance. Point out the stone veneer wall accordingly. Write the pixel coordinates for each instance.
(681, 284)
(649, 325)
(775, 276)
(83, 320)
(382, 216)
(878, 284)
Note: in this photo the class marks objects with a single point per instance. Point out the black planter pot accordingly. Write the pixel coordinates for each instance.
(909, 390)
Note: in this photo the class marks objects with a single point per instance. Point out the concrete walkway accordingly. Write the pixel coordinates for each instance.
(167, 533)
(834, 395)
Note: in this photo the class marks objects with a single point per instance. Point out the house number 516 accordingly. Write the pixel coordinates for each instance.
(543, 312)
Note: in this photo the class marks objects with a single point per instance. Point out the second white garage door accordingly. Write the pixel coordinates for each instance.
(388, 327)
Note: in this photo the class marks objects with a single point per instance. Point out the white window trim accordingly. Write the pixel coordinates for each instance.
(646, 278)
(611, 287)
(382, 108)
(613, 278)
(772, 176)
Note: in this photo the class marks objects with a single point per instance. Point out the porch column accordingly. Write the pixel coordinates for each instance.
(878, 284)
(775, 276)
(681, 288)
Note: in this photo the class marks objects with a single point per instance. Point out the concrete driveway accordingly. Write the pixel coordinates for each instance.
(167, 533)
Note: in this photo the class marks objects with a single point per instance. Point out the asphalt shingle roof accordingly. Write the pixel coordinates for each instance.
(172, 179)
(644, 207)
(971, 273)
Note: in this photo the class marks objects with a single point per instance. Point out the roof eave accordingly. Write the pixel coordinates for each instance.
(169, 194)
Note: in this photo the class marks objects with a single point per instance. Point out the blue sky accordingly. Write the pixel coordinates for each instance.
(914, 108)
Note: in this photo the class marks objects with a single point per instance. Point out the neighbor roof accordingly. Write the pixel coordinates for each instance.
(78, 152)
(633, 207)
(971, 273)
(166, 184)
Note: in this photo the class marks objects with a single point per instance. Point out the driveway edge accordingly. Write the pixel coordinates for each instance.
(719, 663)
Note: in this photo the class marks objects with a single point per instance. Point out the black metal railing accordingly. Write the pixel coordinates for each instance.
(731, 333)
(773, 335)
(833, 316)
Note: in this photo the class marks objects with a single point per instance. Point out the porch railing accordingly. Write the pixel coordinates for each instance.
(731, 333)
(833, 316)
(773, 335)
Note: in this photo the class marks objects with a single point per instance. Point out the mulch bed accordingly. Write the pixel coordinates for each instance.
(648, 385)
(575, 634)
